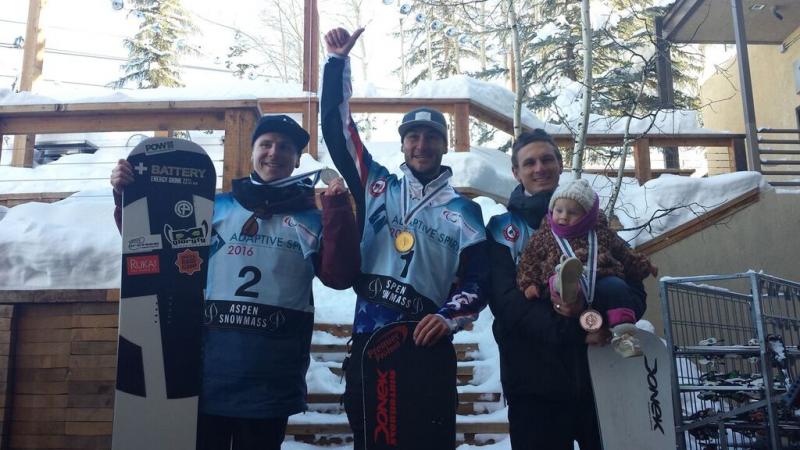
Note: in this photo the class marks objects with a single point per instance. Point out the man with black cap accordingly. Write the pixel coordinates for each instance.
(267, 244)
(418, 234)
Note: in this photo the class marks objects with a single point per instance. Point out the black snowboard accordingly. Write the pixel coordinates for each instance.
(409, 391)
(166, 230)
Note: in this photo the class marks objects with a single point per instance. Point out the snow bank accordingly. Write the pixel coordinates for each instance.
(568, 103)
(493, 96)
(86, 253)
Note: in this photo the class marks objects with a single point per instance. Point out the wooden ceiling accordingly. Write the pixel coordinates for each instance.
(711, 21)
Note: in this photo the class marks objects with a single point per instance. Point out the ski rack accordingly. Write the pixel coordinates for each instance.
(735, 360)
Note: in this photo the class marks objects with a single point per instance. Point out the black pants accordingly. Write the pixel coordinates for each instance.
(237, 433)
(613, 292)
(536, 423)
(353, 393)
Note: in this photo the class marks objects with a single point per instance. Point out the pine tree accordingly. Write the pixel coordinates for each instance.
(155, 50)
(441, 37)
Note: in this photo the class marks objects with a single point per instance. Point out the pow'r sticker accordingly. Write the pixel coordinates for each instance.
(189, 262)
(142, 265)
(511, 233)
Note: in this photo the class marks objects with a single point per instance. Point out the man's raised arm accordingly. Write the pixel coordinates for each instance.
(341, 136)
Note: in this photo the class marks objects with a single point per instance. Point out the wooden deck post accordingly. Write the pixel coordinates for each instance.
(239, 126)
(461, 126)
(641, 157)
(32, 63)
(737, 155)
(310, 124)
(311, 71)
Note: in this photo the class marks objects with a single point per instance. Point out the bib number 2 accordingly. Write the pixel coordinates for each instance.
(248, 270)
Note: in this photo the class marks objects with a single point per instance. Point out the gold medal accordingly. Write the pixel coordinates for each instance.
(404, 241)
(591, 320)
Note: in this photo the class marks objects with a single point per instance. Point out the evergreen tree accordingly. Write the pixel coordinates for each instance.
(442, 36)
(155, 50)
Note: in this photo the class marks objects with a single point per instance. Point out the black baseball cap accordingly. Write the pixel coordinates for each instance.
(423, 117)
(282, 124)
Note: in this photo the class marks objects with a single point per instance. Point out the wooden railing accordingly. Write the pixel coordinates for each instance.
(237, 118)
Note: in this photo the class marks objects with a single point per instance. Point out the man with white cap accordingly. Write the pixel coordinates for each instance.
(417, 232)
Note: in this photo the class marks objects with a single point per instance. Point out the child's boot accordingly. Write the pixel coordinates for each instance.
(624, 342)
(568, 274)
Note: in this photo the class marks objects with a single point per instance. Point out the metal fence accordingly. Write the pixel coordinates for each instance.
(734, 341)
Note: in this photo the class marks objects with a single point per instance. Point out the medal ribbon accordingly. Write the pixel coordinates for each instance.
(409, 214)
(587, 282)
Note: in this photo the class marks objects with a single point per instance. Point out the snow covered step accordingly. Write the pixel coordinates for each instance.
(469, 403)
(336, 329)
(463, 351)
(464, 373)
(312, 426)
(346, 330)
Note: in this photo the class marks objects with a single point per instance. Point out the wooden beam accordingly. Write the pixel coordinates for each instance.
(310, 122)
(737, 155)
(9, 200)
(236, 159)
(33, 51)
(22, 153)
(126, 107)
(641, 157)
(461, 127)
(111, 121)
(59, 296)
(32, 64)
(310, 46)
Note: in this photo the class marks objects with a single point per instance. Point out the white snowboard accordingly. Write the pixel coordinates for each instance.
(634, 396)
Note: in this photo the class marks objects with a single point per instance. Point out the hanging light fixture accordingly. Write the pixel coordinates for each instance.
(116, 5)
(451, 32)
(388, 2)
(420, 18)
(463, 39)
(437, 25)
(405, 8)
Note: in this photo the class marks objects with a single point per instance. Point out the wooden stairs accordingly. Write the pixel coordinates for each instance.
(326, 423)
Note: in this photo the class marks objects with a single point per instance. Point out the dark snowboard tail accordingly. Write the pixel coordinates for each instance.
(166, 230)
(409, 392)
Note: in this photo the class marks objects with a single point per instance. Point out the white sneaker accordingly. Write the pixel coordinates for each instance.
(624, 342)
(568, 274)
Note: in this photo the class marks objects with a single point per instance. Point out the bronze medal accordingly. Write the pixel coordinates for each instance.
(591, 320)
(404, 241)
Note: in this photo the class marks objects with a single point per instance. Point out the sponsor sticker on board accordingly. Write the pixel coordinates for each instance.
(189, 262)
(142, 265)
(143, 244)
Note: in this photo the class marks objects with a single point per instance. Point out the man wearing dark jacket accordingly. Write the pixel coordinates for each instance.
(543, 364)
(254, 369)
